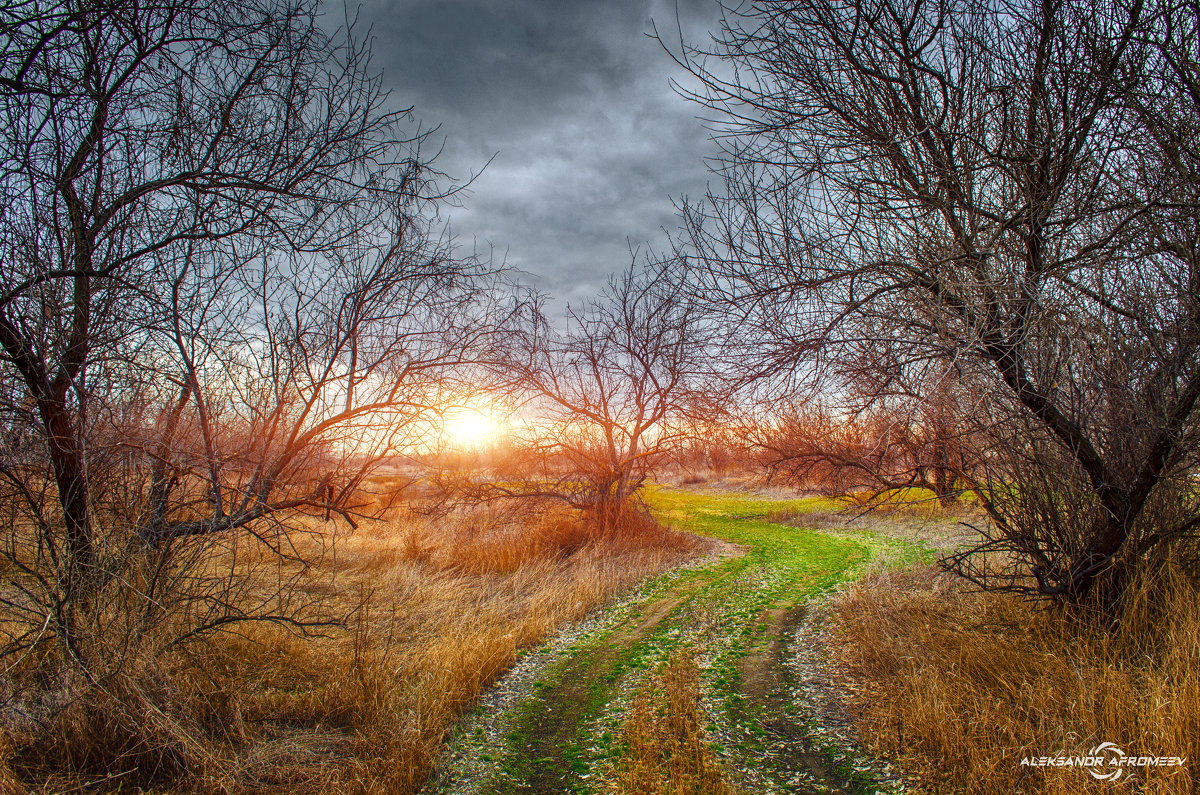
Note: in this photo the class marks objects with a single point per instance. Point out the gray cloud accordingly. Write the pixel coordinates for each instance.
(572, 99)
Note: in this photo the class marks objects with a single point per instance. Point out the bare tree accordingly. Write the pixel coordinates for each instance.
(223, 301)
(890, 445)
(610, 393)
(1008, 189)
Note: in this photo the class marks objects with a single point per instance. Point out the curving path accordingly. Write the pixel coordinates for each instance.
(549, 727)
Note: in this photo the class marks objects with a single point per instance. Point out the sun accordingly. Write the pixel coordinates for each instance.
(472, 427)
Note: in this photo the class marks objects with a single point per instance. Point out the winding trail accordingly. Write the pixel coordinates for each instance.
(553, 729)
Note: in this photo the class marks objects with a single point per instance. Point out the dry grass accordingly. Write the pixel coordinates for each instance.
(960, 687)
(439, 608)
(665, 750)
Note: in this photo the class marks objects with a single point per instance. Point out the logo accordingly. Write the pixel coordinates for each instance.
(1106, 762)
(1112, 754)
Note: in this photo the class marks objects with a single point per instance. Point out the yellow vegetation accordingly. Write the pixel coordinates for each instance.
(438, 608)
(666, 750)
(962, 686)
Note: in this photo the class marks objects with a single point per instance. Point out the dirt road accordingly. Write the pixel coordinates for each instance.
(550, 727)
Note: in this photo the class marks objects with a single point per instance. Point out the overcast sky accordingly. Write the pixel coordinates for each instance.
(573, 100)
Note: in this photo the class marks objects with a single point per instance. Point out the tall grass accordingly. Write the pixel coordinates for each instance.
(437, 610)
(664, 748)
(961, 686)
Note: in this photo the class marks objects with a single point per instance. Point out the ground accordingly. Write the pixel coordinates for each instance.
(555, 723)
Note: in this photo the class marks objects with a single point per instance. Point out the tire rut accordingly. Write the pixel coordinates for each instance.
(768, 684)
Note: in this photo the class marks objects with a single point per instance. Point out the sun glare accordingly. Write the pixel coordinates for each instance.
(472, 427)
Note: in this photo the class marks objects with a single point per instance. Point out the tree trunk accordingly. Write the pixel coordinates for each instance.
(70, 476)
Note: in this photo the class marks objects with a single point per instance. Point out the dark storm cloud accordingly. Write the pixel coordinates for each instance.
(572, 99)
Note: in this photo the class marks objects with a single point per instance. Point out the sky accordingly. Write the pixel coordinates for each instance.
(571, 102)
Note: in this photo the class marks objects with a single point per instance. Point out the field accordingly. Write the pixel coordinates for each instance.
(437, 608)
(960, 687)
(735, 642)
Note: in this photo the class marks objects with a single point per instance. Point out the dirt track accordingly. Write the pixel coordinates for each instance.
(739, 612)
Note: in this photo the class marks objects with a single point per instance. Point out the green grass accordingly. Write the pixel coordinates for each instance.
(782, 566)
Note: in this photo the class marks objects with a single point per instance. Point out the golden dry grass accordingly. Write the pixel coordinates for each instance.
(961, 686)
(665, 751)
(439, 608)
